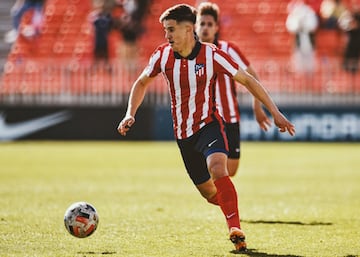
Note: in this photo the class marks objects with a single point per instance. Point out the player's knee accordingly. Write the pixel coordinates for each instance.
(216, 168)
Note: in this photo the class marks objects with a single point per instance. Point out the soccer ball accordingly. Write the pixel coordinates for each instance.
(81, 219)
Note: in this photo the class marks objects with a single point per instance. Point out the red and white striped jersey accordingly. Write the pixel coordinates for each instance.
(191, 83)
(226, 98)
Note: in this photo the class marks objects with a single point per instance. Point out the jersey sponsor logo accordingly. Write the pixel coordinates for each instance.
(17, 130)
(199, 69)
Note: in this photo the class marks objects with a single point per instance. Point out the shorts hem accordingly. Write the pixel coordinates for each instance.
(211, 151)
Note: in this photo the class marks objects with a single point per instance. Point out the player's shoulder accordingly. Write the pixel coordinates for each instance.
(232, 48)
(229, 44)
(162, 46)
(160, 49)
(210, 45)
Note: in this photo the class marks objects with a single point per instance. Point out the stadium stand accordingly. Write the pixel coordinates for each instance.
(5, 26)
(60, 59)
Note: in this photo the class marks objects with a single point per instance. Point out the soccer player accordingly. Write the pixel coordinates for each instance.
(190, 68)
(207, 27)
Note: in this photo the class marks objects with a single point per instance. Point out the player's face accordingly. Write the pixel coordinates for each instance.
(206, 28)
(176, 34)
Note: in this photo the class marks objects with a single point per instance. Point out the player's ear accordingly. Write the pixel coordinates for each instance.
(190, 27)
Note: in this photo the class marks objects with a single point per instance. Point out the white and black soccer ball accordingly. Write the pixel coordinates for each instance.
(81, 219)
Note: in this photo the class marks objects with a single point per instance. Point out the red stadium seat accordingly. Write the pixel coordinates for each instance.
(67, 37)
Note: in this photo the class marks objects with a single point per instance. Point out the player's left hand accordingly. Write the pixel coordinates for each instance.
(125, 124)
(284, 124)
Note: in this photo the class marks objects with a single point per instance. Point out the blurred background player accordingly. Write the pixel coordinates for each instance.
(207, 30)
(190, 68)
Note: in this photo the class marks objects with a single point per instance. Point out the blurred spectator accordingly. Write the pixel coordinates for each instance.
(330, 11)
(315, 5)
(103, 23)
(17, 11)
(349, 21)
(130, 25)
(302, 22)
(134, 12)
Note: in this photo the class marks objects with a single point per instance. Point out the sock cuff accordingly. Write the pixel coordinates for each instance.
(223, 182)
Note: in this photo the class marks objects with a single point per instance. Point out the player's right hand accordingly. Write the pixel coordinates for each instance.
(125, 124)
(262, 119)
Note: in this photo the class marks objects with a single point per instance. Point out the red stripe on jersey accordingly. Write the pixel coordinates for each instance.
(191, 84)
(226, 97)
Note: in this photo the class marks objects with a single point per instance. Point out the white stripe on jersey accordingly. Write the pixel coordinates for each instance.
(164, 58)
(223, 62)
(177, 100)
(237, 58)
(152, 62)
(192, 104)
(232, 105)
(209, 75)
(224, 46)
(219, 106)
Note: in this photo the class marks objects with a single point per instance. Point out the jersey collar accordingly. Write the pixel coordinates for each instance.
(193, 53)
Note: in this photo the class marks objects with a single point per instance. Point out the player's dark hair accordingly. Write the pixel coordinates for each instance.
(179, 13)
(207, 8)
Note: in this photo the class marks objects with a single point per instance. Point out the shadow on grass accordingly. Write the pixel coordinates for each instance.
(253, 252)
(97, 253)
(314, 223)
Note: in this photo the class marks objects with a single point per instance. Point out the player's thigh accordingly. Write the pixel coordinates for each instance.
(194, 161)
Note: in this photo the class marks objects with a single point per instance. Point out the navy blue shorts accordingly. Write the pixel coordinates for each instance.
(233, 137)
(195, 149)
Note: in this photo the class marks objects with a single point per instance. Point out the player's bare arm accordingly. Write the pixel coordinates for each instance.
(136, 97)
(258, 91)
(260, 115)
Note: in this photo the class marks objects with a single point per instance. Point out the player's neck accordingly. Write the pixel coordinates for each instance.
(188, 48)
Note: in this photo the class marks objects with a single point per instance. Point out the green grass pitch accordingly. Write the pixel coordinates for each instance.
(295, 199)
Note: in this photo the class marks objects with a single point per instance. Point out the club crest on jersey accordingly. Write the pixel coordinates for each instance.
(199, 69)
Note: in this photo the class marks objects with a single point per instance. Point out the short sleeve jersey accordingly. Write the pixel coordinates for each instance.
(226, 97)
(191, 83)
